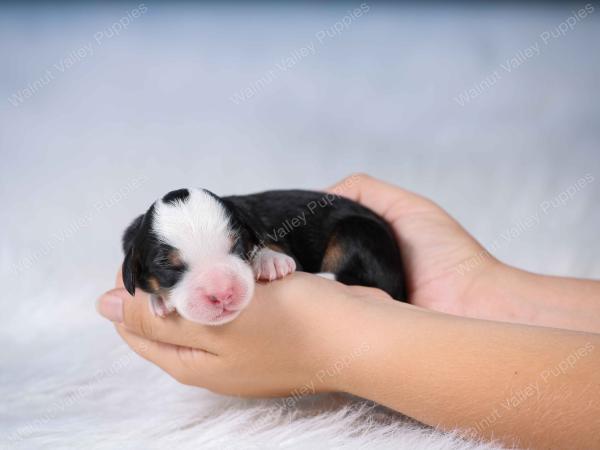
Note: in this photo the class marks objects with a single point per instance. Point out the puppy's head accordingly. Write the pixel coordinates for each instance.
(191, 249)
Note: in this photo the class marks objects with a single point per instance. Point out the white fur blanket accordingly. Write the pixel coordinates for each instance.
(140, 109)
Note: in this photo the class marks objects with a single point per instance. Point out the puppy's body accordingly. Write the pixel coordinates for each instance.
(326, 233)
(199, 253)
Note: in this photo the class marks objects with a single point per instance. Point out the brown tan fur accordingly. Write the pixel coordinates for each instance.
(154, 284)
(333, 256)
(275, 248)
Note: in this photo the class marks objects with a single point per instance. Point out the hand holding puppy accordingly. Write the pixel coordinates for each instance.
(280, 343)
(305, 334)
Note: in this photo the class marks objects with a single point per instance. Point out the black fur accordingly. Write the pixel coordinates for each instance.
(371, 255)
(300, 223)
(129, 269)
(178, 195)
(146, 257)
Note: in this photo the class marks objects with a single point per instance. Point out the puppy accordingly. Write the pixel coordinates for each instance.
(199, 254)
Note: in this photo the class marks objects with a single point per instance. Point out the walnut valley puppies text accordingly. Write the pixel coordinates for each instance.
(295, 56)
(199, 254)
(78, 54)
(289, 224)
(544, 209)
(524, 54)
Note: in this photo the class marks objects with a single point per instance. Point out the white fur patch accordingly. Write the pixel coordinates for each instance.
(197, 226)
(328, 275)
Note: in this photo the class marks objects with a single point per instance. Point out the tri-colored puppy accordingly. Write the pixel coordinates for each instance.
(199, 254)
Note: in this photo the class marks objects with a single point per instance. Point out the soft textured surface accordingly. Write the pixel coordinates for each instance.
(151, 109)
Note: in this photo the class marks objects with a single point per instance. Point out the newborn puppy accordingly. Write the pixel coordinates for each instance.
(199, 254)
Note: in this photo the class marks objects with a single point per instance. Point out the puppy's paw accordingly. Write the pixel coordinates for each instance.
(270, 265)
(159, 307)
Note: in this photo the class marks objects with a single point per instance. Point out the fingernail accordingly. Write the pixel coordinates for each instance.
(111, 307)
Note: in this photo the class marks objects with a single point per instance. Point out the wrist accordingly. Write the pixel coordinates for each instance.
(550, 301)
(507, 294)
(497, 294)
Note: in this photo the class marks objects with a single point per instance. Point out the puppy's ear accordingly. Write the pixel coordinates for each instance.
(129, 268)
(131, 233)
(128, 271)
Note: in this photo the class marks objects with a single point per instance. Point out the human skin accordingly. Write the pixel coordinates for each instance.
(449, 271)
(526, 385)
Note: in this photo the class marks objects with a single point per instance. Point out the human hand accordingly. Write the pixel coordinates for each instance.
(434, 247)
(447, 270)
(293, 336)
(288, 340)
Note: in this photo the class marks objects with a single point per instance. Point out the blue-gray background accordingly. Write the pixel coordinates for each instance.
(153, 107)
(86, 147)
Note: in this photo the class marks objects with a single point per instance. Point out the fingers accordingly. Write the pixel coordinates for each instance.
(187, 365)
(134, 314)
(378, 195)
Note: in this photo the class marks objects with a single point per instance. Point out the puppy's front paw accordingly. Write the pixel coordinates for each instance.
(270, 265)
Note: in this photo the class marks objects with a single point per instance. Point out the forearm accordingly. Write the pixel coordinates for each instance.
(536, 386)
(533, 299)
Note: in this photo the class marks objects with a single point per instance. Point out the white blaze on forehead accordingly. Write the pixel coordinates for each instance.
(197, 226)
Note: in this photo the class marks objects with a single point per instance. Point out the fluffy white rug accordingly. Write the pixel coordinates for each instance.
(79, 394)
(150, 110)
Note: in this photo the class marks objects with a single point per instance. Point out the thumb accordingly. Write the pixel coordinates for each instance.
(110, 304)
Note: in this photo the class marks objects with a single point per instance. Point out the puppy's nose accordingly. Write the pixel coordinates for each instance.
(223, 297)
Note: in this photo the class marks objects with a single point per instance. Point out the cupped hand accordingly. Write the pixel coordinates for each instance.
(299, 328)
(446, 268)
(289, 340)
